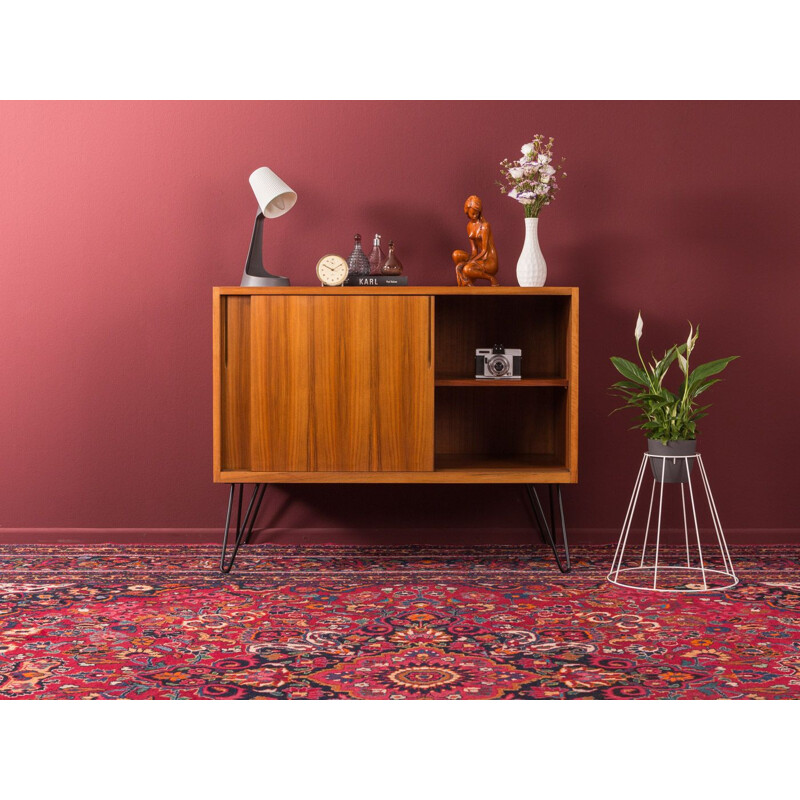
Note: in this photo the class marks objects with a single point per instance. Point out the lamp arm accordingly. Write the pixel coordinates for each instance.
(254, 272)
(255, 264)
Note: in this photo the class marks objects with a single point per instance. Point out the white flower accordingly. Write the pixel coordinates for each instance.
(683, 362)
(639, 327)
(532, 176)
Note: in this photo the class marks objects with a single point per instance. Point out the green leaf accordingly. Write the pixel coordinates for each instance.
(700, 389)
(696, 413)
(655, 399)
(661, 368)
(630, 371)
(707, 370)
(627, 385)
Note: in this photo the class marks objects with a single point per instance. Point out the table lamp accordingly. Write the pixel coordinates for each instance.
(275, 198)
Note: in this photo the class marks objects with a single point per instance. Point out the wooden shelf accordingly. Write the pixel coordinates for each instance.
(472, 382)
(455, 469)
(454, 462)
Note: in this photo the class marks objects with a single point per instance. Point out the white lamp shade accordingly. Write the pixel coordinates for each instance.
(274, 196)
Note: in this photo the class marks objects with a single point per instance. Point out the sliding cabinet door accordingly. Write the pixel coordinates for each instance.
(342, 400)
(403, 390)
(280, 383)
(340, 383)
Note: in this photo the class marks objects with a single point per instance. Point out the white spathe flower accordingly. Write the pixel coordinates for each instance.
(689, 343)
(527, 149)
(639, 327)
(516, 172)
(684, 363)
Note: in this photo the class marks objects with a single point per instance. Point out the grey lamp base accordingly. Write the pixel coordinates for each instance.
(263, 280)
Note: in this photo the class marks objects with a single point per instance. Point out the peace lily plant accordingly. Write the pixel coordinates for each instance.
(664, 416)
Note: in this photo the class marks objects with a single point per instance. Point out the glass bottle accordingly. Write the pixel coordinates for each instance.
(376, 257)
(357, 264)
(392, 265)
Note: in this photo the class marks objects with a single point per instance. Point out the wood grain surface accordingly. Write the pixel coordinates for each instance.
(324, 383)
(342, 343)
(280, 383)
(376, 384)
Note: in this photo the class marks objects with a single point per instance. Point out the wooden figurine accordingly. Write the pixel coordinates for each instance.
(482, 263)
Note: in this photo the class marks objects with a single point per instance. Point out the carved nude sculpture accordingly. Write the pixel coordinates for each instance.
(481, 264)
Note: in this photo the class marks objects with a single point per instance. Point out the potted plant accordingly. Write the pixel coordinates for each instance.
(669, 420)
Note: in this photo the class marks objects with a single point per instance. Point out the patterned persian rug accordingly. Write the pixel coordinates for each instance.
(320, 622)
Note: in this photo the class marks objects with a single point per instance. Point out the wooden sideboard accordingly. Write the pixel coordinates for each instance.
(377, 385)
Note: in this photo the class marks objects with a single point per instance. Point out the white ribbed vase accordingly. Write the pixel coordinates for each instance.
(531, 267)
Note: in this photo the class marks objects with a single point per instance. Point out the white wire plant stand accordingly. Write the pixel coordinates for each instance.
(652, 575)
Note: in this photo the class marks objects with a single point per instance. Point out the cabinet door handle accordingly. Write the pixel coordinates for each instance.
(224, 312)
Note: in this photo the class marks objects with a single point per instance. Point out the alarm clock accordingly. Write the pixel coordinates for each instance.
(332, 270)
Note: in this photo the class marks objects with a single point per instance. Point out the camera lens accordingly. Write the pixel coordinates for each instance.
(499, 365)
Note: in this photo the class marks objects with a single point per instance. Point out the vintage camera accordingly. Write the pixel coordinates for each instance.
(498, 362)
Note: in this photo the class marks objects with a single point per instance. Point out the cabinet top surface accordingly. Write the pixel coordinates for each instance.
(407, 290)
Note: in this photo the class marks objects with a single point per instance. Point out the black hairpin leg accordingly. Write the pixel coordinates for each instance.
(549, 531)
(244, 527)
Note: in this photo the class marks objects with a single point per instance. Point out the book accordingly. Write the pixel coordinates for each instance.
(376, 280)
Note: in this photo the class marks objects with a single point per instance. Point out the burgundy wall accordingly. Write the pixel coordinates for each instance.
(117, 218)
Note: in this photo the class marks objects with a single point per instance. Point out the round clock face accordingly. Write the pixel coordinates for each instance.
(332, 270)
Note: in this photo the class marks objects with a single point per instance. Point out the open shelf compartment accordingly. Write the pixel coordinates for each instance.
(527, 431)
(538, 326)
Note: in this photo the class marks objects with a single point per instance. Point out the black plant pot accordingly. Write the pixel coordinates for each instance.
(672, 470)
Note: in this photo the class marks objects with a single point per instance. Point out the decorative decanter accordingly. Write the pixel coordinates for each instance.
(392, 265)
(376, 257)
(357, 264)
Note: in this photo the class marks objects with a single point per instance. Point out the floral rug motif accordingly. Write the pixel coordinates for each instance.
(423, 622)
